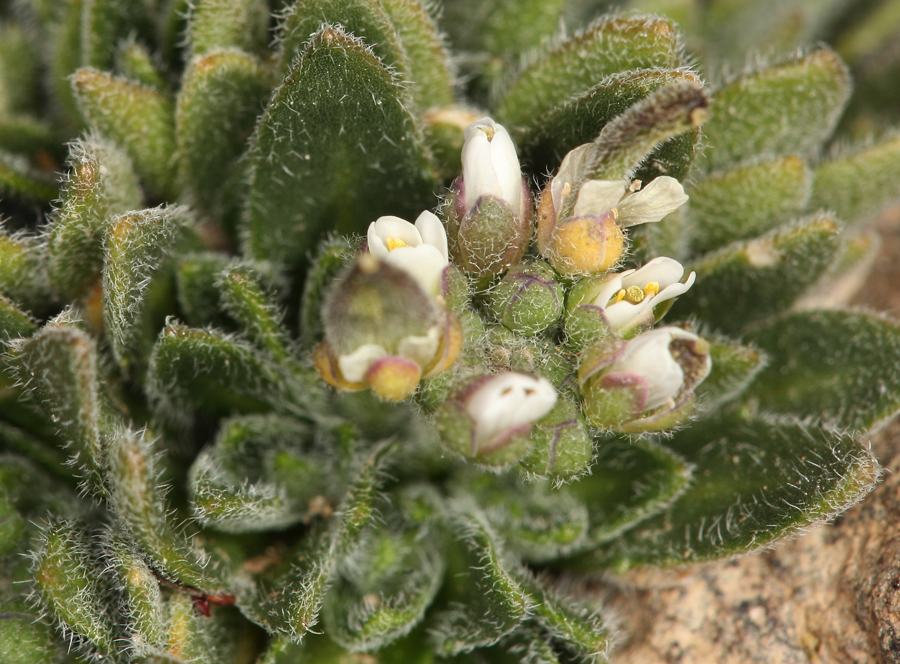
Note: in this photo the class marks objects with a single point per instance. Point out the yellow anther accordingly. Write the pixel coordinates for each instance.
(651, 289)
(566, 190)
(395, 243)
(489, 132)
(634, 294)
(618, 297)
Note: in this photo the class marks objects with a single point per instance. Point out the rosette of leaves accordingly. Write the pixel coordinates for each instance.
(184, 486)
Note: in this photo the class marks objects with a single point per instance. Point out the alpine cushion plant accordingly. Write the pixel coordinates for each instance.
(249, 413)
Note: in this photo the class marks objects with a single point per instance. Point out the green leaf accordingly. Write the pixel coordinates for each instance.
(234, 378)
(23, 272)
(610, 46)
(258, 317)
(28, 136)
(628, 483)
(286, 600)
(199, 298)
(66, 58)
(14, 322)
(260, 474)
(138, 500)
(734, 367)
(135, 62)
(20, 180)
(760, 277)
(138, 118)
(489, 600)
(580, 120)
(502, 29)
(384, 586)
(101, 183)
(104, 23)
(58, 368)
(136, 282)
(836, 365)
(755, 481)
(221, 95)
(786, 109)
(747, 201)
(335, 149)
(240, 24)
(19, 77)
(858, 182)
(67, 579)
(145, 609)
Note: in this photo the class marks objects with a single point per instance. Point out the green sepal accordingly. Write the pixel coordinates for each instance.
(760, 277)
(286, 599)
(335, 149)
(221, 95)
(101, 183)
(58, 368)
(734, 368)
(629, 481)
(139, 118)
(837, 365)
(858, 182)
(137, 280)
(334, 254)
(786, 109)
(261, 474)
(241, 24)
(746, 201)
(384, 586)
(488, 599)
(755, 481)
(562, 448)
(248, 297)
(67, 576)
(236, 378)
(137, 498)
(609, 46)
(20, 180)
(580, 120)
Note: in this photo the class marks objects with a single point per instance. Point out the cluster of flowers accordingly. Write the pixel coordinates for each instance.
(389, 323)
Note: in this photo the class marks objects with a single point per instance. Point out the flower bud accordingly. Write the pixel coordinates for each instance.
(489, 420)
(528, 299)
(580, 219)
(562, 447)
(420, 249)
(488, 211)
(629, 301)
(383, 331)
(644, 384)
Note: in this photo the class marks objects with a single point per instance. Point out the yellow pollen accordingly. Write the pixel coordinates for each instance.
(395, 243)
(652, 288)
(634, 294)
(618, 297)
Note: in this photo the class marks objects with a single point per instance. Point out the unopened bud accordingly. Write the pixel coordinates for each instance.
(528, 299)
(563, 447)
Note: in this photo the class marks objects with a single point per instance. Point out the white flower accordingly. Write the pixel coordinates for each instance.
(491, 166)
(628, 298)
(420, 250)
(506, 401)
(419, 349)
(595, 197)
(648, 357)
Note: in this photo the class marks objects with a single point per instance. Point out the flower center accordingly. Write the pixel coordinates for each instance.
(635, 294)
(395, 243)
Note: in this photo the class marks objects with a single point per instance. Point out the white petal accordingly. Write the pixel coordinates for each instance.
(648, 355)
(664, 271)
(478, 170)
(570, 172)
(424, 263)
(508, 400)
(675, 289)
(612, 286)
(432, 231)
(421, 350)
(652, 203)
(598, 196)
(506, 167)
(377, 247)
(354, 365)
(397, 228)
(620, 314)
